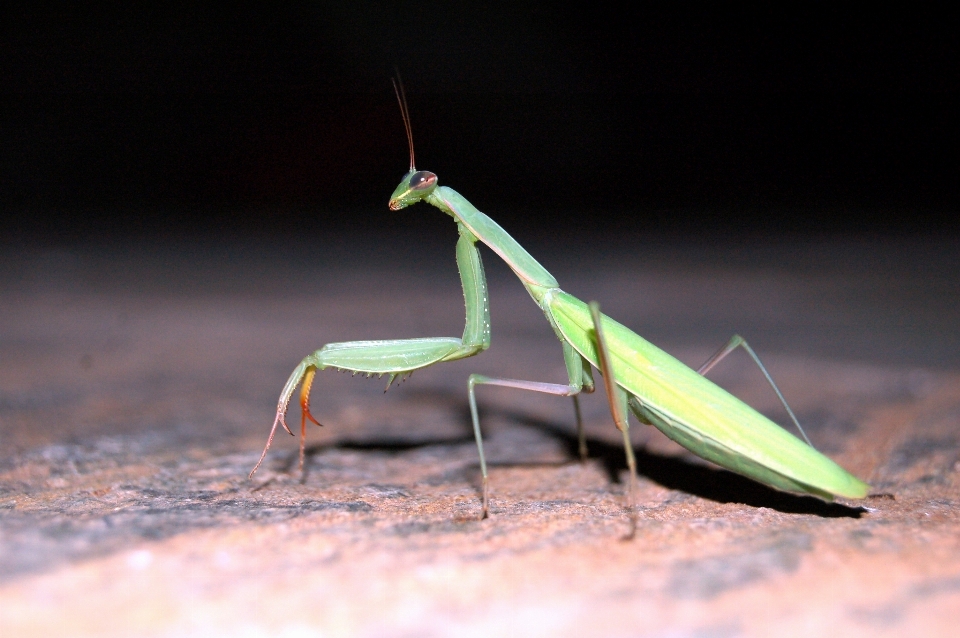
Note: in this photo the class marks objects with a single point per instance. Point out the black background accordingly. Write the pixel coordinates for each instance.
(263, 119)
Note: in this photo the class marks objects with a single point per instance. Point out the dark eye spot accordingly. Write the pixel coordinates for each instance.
(422, 180)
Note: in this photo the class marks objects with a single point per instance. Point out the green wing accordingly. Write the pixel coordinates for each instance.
(701, 416)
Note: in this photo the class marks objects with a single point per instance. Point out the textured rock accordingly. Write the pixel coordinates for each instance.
(137, 386)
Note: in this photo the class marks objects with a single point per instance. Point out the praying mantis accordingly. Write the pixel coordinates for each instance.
(638, 377)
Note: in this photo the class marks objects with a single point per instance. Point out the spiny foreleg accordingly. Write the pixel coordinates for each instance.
(394, 358)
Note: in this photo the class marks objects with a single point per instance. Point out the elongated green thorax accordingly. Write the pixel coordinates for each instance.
(422, 186)
(493, 235)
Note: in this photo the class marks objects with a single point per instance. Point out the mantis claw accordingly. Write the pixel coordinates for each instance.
(281, 419)
(309, 417)
(305, 397)
(281, 414)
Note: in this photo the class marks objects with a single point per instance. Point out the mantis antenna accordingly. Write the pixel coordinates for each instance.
(405, 112)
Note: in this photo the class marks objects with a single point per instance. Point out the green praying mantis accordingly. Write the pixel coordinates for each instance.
(638, 377)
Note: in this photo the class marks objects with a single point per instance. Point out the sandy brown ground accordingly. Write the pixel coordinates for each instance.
(137, 385)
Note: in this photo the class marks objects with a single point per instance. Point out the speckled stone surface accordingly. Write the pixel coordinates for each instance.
(137, 386)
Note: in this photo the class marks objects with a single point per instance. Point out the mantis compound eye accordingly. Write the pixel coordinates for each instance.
(422, 180)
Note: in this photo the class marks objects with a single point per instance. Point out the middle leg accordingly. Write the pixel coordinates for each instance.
(579, 381)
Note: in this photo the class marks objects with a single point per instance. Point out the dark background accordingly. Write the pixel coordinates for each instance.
(263, 119)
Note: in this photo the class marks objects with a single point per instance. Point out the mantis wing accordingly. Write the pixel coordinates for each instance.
(700, 415)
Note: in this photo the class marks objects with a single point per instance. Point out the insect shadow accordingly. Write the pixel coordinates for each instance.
(676, 473)
(669, 471)
(387, 445)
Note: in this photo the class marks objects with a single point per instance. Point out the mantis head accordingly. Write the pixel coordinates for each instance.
(415, 186)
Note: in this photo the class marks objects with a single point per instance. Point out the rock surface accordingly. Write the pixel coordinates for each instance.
(137, 386)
